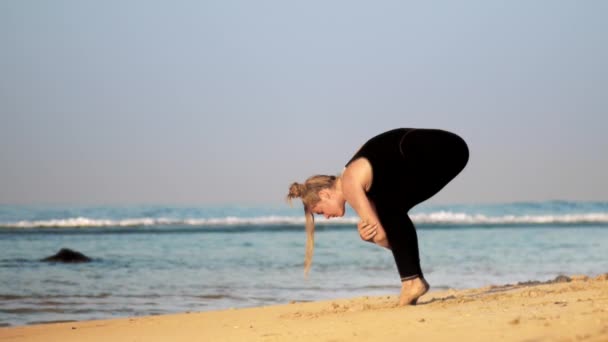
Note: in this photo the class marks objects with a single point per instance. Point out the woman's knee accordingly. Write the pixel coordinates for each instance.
(460, 153)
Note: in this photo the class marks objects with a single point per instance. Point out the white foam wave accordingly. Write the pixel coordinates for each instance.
(447, 217)
(434, 218)
(134, 222)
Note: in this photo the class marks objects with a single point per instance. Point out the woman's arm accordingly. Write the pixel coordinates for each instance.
(356, 179)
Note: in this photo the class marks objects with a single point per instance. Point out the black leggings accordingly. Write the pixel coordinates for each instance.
(432, 158)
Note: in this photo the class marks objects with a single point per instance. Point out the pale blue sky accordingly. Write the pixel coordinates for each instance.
(193, 102)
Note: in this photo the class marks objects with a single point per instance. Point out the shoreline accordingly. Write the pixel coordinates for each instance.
(565, 308)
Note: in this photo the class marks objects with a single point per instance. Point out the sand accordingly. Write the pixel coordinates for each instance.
(566, 309)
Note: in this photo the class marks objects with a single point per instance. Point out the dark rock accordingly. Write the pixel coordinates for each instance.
(68, 256)
(562, 279)
(529, 283)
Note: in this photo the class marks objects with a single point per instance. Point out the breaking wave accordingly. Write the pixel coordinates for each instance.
(439, 218)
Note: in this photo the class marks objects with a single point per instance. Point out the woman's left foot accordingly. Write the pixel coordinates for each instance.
(411, 290)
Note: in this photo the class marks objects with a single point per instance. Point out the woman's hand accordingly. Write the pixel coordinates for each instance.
(373, 232)
(367, 230)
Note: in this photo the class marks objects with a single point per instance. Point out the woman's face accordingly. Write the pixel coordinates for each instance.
(331, 204)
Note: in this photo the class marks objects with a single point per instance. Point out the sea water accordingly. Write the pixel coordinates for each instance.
(150, 260)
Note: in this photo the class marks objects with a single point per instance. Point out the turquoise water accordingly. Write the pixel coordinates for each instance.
(157, 259)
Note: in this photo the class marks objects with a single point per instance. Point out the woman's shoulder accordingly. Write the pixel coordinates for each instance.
(358, 173)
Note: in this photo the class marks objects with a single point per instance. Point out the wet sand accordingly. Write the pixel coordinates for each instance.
(566, 309)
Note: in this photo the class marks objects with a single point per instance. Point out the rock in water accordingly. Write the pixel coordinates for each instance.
(67, 255)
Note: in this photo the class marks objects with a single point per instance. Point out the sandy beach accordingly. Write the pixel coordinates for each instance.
(571, 308)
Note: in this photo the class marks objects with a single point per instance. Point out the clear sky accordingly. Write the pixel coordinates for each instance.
(202, 102)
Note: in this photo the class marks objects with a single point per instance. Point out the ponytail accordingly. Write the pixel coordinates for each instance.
(310, 240)
(309, 192)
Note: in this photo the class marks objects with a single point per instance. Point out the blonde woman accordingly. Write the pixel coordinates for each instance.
(391, 173)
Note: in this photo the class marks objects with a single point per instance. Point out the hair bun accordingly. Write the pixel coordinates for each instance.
(296, 190)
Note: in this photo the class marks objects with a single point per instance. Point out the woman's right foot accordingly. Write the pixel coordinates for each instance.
(411, 290)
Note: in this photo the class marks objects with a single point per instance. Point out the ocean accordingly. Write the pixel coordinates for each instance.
(150, 260)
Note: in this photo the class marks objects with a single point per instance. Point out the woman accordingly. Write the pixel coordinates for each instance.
(390, 174)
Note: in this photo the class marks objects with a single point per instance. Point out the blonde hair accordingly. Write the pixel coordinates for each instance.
(309, 192)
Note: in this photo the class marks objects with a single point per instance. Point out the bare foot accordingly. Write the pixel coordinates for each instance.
(411, 290)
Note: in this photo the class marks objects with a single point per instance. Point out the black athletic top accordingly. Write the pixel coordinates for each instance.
(388, 166)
